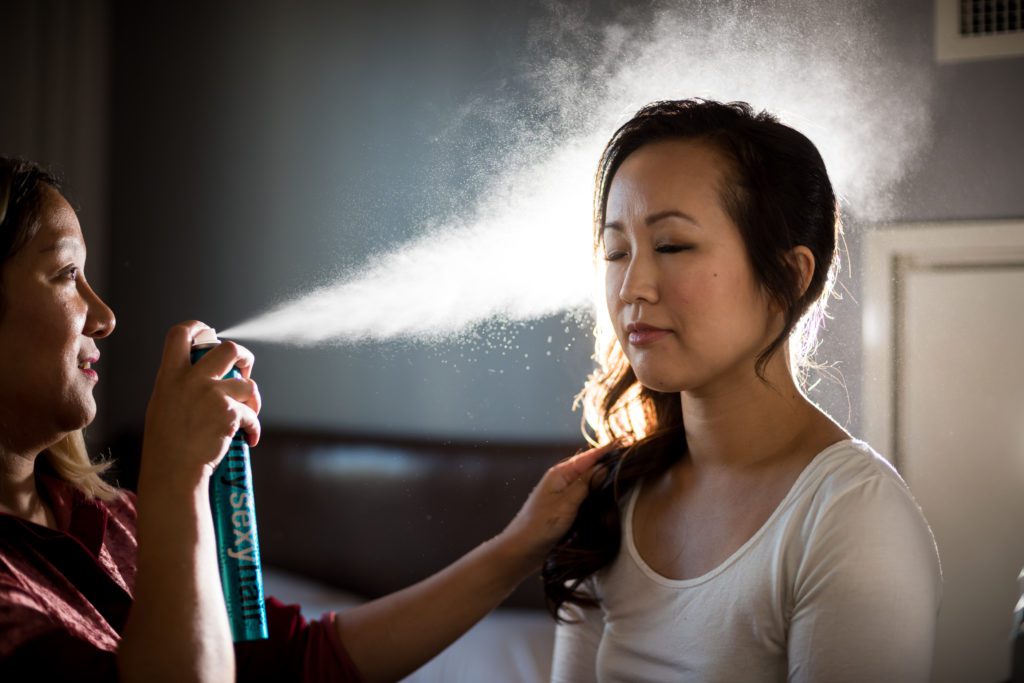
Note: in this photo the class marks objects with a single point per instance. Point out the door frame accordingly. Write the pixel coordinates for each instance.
(891, 252)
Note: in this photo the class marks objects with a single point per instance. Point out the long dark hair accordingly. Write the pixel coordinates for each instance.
(777, 192)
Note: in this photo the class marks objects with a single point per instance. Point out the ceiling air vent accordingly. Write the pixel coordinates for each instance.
(978, 29)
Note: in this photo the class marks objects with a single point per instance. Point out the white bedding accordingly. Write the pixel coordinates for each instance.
(507, 646)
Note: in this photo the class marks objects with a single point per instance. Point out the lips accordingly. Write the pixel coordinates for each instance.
(85, 365)
(642, 334)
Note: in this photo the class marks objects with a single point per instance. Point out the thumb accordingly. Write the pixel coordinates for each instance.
(575, 468)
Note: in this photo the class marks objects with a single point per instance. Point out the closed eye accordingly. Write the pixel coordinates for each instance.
(614, 255)
(673, 248)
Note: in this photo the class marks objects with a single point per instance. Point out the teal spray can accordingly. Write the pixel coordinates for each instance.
(234, 521)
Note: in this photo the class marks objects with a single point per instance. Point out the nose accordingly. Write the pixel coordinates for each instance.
(99, 321)
(639, 283)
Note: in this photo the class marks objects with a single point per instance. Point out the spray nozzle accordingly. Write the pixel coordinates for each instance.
(207, 337)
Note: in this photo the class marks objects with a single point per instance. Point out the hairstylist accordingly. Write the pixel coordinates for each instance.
(98, 585)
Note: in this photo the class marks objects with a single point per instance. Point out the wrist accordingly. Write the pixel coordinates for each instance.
(165, 463)
(169, 483)
(516, 556)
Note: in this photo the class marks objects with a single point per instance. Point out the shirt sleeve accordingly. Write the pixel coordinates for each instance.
(576, 644)
(295, 650)
(867, 592)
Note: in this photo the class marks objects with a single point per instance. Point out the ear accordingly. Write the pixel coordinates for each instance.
(803, 260)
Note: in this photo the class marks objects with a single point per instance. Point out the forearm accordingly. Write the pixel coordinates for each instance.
(178, 628)
(393, 636)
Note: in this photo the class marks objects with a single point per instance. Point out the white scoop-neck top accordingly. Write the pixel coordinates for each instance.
(841, 583)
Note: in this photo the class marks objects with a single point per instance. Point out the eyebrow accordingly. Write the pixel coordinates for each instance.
(654, 218)
(61, 243)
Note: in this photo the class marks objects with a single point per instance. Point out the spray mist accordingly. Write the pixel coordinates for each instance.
(234, 520)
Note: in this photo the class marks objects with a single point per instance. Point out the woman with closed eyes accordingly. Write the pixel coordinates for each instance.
(742, 534)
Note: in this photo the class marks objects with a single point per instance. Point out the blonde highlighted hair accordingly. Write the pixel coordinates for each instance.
(70, 460)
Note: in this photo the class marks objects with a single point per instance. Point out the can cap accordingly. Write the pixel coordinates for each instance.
(206, 337)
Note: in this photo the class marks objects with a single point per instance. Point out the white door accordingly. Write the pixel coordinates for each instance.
(944, 397)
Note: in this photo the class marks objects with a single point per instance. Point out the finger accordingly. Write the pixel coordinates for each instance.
(226, 355)
(178, 344)
(257, 400)
(254, 401)
(581, 463)
(241, 390)
(597, 477)
(570, 470)
(245, 361)
(248, 422)
(577, 491)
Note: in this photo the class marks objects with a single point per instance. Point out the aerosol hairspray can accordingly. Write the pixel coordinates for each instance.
(234, 520)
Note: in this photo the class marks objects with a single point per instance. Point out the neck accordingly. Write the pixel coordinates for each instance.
(19, 494)
(746, 422)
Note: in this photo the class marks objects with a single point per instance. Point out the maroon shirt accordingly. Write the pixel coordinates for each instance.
(65, 595)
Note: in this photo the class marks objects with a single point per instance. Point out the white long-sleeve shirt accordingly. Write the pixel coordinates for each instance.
(842, 583)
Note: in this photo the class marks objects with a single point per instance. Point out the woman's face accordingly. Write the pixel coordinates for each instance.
(49, 325)
(682, 296)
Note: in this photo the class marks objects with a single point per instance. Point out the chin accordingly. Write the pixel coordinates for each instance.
(78, 418)
(666, 383)
(676, 381)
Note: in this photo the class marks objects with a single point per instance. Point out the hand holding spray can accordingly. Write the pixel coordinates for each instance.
(234, 520)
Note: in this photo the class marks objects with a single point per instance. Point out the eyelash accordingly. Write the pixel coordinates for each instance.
(70, 273)
(661, 249)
